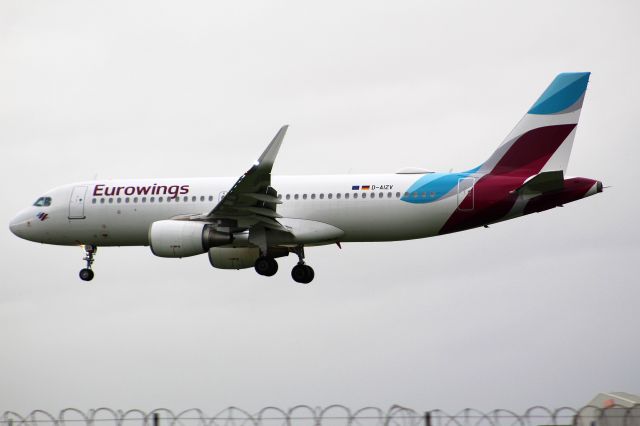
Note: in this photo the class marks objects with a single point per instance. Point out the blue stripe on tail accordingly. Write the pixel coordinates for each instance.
(565, 90)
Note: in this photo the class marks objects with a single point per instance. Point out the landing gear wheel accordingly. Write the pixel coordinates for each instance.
(86, 274)
(266, 266)
(302, 273)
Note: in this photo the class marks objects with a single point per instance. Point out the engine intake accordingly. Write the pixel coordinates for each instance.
(181, 238)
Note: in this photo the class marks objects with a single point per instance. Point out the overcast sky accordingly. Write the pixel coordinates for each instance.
(538, 310)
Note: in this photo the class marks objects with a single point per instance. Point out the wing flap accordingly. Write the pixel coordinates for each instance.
(262, 197)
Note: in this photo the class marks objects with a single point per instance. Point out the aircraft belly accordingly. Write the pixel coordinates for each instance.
(377, 220)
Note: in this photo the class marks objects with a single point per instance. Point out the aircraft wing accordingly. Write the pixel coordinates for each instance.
(252, 200)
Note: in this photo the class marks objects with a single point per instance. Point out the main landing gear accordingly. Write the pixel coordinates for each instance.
(86, 274)
(266, 265)
(301, 273)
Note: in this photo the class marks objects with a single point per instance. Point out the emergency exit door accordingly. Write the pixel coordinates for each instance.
(466, 199)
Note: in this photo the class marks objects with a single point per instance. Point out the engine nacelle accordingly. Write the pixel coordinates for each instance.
(182, 238)
(233, 257)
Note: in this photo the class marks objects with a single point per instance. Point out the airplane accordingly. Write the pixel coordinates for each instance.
(255, 219)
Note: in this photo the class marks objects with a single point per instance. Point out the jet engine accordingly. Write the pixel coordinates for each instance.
(182, 238)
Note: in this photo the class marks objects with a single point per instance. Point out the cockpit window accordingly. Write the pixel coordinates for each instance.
(43, 202)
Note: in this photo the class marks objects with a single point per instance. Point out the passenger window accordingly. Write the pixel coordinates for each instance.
(346, 196)
(202, 198)
(110, 200)
(397, 195)
(329, 195)
(135, 199)
(415, 195)
(152, 199)
(288, 196)
(406, 194)
(424, 195)
(279, 196)
(185, 199)
(389, 194)
(126, 200)
(355, 195)
(313, 196)
(159, 199)
(119, 200)
(93, 201)
(338, 195)
(144, 199)
(101, 200)
(381, 194)
(295, 196)
(321, 196)
(210, 197)
(177, 199)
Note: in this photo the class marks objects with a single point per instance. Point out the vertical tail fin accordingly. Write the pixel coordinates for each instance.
(543, 138)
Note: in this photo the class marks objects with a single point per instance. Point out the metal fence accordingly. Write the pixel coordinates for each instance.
(334, 415)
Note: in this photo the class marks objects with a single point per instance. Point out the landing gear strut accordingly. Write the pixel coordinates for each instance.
(86, 274)
(266, 265)
(301, 273)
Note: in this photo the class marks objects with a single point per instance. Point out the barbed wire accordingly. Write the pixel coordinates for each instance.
(334, 415)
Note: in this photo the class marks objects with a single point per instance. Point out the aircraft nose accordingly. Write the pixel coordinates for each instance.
(19, 225)
(14, 226)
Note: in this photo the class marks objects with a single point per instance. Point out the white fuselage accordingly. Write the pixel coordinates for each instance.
(120, 212)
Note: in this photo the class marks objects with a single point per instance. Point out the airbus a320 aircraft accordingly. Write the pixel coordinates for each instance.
(251, 221)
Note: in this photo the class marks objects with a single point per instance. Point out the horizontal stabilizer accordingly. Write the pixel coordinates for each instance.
(543, 182)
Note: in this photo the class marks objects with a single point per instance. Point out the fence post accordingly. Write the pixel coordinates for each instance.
(427, 418)
(156, 419)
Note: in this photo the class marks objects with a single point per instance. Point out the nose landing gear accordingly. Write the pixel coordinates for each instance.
(86, 274)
